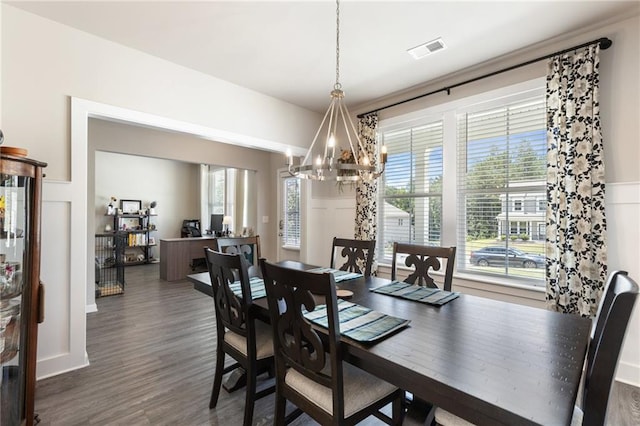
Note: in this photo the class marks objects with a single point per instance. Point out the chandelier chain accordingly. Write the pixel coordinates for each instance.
(337, 85)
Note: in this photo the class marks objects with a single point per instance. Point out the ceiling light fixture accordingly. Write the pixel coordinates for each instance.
(353, 163)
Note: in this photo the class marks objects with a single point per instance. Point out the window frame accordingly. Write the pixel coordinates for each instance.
(285, 212)
(424, 120)
(449, 112)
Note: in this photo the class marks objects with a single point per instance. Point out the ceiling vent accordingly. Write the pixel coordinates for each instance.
(427, 48)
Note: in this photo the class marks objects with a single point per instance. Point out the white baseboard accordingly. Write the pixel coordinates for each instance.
(628, 373)
(58, 365)
(92, 307)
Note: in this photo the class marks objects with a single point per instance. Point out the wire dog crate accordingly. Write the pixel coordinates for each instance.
(110, 263)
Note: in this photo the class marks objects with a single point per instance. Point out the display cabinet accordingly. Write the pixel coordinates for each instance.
(21, 292)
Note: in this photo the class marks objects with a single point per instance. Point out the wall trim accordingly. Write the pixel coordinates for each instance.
(622, 193)
(628, 373)
(75, 192)
(56, 372)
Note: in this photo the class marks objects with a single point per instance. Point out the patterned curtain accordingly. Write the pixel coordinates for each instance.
(367, 192)
(575, 225)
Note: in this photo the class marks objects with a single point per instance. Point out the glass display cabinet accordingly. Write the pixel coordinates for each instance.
(21, 292)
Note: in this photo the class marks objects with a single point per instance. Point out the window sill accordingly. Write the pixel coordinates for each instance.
(292, 248)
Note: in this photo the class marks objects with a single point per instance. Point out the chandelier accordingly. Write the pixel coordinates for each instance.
(353, 162)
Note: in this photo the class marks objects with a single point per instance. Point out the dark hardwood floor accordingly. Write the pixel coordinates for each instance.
(152, 358)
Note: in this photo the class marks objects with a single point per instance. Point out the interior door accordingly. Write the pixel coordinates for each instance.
(289, 216)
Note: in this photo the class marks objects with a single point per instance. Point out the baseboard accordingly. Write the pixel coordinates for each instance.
(59, 365)
(91, 308)
(628, 373)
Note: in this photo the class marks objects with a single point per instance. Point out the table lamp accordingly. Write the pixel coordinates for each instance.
(226, 221)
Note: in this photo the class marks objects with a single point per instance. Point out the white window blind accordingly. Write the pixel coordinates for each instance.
(291, 209)
(501, 179)
(217, 190)
(411, 187)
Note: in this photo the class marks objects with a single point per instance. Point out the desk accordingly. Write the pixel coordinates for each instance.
(177, 254)
(487, 361)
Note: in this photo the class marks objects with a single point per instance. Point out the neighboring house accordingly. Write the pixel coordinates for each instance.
(397, 227)
(523, 212)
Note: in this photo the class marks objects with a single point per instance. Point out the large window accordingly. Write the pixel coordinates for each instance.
(501, 174)
(411, 187)
(222, 192)
(229, 192)
(471, 174)
(290, 227)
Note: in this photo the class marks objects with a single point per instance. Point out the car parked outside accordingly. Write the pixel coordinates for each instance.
(499, 256)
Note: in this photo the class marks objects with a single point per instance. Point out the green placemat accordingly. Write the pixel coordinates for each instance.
(358, 322)
(432, 296)
(338, 275)
(257, 288)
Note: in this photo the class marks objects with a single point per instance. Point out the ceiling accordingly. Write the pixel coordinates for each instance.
(287, 49)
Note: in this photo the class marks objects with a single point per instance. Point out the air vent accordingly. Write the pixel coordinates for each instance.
(427, 48)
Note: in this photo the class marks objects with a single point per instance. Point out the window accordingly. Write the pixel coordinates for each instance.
(501, 157)
(470, 173)
(222, 190)
(411, 195)
(217, 191)
(291, 226)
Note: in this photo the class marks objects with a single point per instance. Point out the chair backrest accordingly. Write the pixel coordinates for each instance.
(423, 258)
(232, 312)
(296, 344)
(358, 253)
(249, 247)
(606, 340)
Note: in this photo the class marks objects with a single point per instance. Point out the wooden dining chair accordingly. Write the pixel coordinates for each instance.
(423, 259)
(240, 334)
(312, 375)
(605, 343)
(249, 247)
(356, 254)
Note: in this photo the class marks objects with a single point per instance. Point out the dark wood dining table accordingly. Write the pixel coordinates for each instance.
(487, 361)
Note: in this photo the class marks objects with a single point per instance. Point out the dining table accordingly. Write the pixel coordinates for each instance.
(487, 361)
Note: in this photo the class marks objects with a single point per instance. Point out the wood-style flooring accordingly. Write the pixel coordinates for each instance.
(152, 353)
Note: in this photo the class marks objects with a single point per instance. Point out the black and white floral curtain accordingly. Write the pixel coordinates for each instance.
(575, 226)
(367, 192)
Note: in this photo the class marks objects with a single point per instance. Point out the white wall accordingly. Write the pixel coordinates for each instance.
(44, 66)
(44, 63)
(173, 184)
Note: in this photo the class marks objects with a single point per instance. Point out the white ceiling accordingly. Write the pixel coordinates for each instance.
(286, 49)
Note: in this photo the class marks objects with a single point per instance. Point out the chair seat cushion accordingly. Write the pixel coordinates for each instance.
(361, 389)
(264, 341)
(445, 418)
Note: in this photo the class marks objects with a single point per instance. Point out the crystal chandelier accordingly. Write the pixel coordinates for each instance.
(353, 163)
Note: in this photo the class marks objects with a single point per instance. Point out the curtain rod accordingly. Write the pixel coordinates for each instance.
(604, 42)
